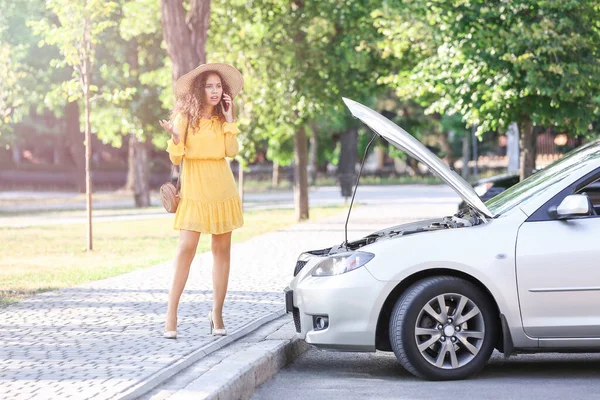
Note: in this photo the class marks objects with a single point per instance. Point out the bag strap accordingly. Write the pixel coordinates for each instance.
(181, 165)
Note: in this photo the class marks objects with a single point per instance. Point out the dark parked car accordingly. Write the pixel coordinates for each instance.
(493, 186)
(490, 187)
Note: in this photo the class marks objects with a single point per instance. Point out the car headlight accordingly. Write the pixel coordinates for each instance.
(341, 263)
(483, 188)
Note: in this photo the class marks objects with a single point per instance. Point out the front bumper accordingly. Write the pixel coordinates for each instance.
(349, 302)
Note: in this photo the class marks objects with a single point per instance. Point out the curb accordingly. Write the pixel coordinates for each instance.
(245, 382)
(163, 375)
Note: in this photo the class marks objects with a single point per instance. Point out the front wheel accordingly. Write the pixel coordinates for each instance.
(443, 328)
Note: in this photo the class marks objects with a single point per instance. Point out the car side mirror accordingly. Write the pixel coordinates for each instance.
(572, 206)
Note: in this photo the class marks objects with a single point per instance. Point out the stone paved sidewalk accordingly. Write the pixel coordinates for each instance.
(101, 339)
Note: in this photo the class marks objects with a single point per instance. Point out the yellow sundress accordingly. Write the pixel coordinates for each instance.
(209, 200)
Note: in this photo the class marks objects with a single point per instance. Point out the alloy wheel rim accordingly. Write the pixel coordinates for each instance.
(449, 331)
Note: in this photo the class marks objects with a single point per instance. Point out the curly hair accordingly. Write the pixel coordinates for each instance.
(194, 101)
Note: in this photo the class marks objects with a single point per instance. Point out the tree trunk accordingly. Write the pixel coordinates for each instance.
(132, 55)
(276, 174)
(314, 154)
(380, 155)
(300, 145)
(348, 160)
(414, 166)
(16, 153)
(57, 158)
(130, 164)
(138, 177)
(300, 175)
(475, 153)
(88, 151)
(75, 143)
(466, 156)
(185, 35)
(528, 146)
(512, 147)
(447, 149)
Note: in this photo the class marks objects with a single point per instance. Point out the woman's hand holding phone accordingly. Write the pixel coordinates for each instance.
(227, 107)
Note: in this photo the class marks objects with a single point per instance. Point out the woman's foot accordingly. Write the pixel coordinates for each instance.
(170, 328)
(170, 335)
(213, 330)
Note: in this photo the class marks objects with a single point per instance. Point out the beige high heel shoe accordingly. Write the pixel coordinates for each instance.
(171, 334)
(215, 331)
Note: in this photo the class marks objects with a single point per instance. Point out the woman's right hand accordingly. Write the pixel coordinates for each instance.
(168, 126)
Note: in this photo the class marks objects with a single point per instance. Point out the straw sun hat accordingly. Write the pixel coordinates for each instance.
(229, 74)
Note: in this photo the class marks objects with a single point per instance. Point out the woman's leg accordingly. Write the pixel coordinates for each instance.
(188, 242)
(221, 250)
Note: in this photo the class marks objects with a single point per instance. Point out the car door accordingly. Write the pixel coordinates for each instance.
(558, 271)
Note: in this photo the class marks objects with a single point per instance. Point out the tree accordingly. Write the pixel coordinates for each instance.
(76, 33)
(185, 34)
(299, 58)
(530, 62)
(133, 74)
(35, 91)
(262, 41)
(13, 71)
(11, 91)
(24, 72)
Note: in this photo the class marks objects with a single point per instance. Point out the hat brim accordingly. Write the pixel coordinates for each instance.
(232, 77)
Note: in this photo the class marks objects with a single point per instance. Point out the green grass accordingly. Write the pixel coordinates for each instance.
(41, 258)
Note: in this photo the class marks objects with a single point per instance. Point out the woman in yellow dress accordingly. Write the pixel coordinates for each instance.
(209, 201)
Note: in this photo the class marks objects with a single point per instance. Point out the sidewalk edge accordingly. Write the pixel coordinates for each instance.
(164, 374)
(244, 384)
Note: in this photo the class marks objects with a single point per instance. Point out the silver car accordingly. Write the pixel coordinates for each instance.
(520, 273)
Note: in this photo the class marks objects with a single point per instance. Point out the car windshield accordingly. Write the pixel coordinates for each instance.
(544, 179)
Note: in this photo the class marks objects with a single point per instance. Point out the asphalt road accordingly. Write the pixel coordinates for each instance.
(334, 375)
(403, 195)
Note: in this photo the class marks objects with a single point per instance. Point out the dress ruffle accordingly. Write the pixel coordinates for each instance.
(209, 217)
(231, 128)
(175, 149)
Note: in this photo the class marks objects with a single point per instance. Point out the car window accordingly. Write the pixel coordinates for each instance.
(593, 192)
(542, 180)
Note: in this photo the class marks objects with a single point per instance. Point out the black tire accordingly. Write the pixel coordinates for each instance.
(404, 318)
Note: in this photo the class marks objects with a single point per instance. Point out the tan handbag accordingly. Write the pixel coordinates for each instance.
(169, 194)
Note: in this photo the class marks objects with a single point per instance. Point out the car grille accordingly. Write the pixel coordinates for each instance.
(299, 266)
(296, 314)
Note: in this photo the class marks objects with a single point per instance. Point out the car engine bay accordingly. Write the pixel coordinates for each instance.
(464, 218)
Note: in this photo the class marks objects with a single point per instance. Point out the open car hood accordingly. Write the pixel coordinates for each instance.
(407, 143)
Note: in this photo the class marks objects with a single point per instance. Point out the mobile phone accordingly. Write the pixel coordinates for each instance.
(225, 105)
